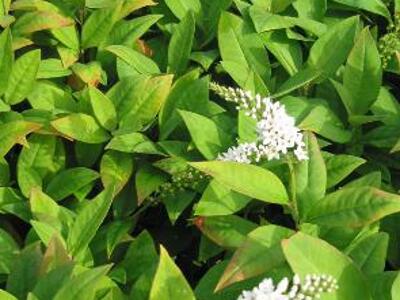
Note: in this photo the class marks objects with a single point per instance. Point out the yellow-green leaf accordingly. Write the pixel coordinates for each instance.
(169, 282)
(22, 78)
(250, 180)
(81, 127)
(103, 109)
(354, 207)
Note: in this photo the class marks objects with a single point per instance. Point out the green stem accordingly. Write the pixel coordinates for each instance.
(143, 207)
(292, 191)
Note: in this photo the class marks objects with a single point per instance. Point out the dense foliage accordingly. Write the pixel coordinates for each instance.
(194, 149)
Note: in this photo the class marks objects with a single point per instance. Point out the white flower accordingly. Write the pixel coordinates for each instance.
(267, 291)
(277, 133)
(252, 105)
(312, 288)
(241, 153)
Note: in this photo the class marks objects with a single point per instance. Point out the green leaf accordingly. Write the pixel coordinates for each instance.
(22, 77)
(324, 55)
(99, 24)
(180, 46)
(260, 252)
(374, 6)
(300, 79)
(47, 211)
(309, 255)
(115, 169)
(274, 6)
(44, 231)
(88, 74)
(103, 109)
(363, 75)
(4, 172)
(211, 12)
(130, 6)
(40, 20)
(6, 296)
(322, 120)
(209, 139)
(126, 32)
(124, 93)
(41, 159)
(180, 8)
(264, 21)
(8, 253)
(226, 231)
(188, 93)
(381, 285)
(239, 43)
(14, 132)
(373, 179)
(81, 127)
(246, 78)
(142, 106)
(250, 180)
(385, 136)
(369, 254)
(48, 285)
(56, 255)
(310, 176)
(133, 143)
(52, 68)
(169, 282)
(176, 204)
(386, 105)
(140, 62)
(12, 202)
(354, 207)
(82, 285)
(141, 257)
(6, 58)
(87, 154)
(5, 7)
(218, 200)
(48, 96)
(110, 236)
(340, 166)
(147, 180)
(25, 271)
(286, 51)
(69, 181)
(396, 288)
(311, 9)
(205, 58)
(68, 36)
(88, 222)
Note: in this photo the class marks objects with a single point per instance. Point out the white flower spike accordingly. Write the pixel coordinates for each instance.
(311, 289)
(277, 133)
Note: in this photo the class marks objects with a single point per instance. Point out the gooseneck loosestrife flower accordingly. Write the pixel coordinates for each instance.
(277, 133)
(180, 181)
(311, 288)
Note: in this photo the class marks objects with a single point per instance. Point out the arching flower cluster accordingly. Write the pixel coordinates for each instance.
(311, 288)
(389, 44)
(187, 178)
(277, 133)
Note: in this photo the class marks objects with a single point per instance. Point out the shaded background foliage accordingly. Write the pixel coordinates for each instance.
(105, 108)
